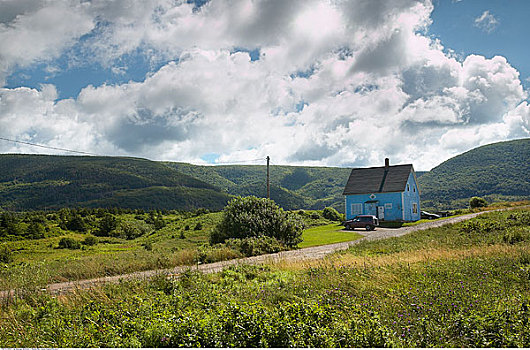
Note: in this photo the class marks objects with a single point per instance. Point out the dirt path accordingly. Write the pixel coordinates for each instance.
(311, 253)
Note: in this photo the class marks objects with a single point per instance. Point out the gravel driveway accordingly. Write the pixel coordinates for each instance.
(310, 253)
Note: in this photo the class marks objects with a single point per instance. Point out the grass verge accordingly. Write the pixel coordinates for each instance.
(327, 234)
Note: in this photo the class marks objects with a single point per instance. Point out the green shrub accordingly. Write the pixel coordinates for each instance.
(90, 240)
(10, 225)
(198, 227)
(106, 225)
(256, 217)
(253, 246)
(481, 226)
(331, 214)
(221, 253)
(315, 215)
(156, 219)
(69, 243)
(477, 202)
(6, 256)
(132, 229)
(35, 230)
(159, 223)
(76, 223)
(515, 235)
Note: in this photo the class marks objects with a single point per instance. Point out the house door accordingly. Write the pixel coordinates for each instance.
(381, 213)
(370, 209)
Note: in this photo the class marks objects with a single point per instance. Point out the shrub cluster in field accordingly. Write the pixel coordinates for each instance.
(253, 217)
(331, 214)
(100, 222)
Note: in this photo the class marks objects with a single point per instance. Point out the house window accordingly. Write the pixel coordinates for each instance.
(414, 188)
(356, 208)
(408, 187)
(388, 205)
(414, 208)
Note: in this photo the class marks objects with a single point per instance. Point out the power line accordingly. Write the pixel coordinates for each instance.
(239, 161)
(94, 154)
(48, 147)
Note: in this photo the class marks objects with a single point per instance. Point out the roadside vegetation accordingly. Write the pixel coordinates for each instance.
(462, 285)
(42, 247)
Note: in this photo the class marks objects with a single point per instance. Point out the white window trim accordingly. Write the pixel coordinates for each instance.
(356, 212)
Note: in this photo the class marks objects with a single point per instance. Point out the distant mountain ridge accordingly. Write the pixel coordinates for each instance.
(498, 171)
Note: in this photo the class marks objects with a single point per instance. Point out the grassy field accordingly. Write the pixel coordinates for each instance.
(37, 262)
(327, 234)
(462, 285)
(184, 240)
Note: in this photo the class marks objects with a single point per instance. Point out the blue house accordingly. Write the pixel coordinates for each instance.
(388, 192)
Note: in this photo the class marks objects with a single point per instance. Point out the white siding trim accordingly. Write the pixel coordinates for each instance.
(402, 206)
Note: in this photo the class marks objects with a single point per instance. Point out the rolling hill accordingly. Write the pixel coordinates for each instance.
(292, 187)
(498, 171)
(41, 181)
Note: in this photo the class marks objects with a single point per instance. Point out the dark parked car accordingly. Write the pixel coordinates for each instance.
(368, 222)
(430, 216)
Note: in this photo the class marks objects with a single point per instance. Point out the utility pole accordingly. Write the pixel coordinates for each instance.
(268, 179)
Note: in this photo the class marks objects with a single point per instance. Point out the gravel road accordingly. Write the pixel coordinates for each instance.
(311, 253)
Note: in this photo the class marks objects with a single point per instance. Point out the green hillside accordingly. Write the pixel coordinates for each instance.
(41, 181)
(292, 187)
(499, 171)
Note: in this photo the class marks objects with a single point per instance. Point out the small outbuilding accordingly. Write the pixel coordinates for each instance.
(389, 192)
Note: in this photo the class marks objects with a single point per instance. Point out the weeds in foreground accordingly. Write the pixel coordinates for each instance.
(455, 300)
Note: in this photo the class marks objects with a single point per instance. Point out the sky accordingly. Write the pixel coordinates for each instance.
(306, 82)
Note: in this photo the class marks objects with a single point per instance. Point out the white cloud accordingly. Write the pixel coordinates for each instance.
(30, 34)
(486, 22)
(337, 83)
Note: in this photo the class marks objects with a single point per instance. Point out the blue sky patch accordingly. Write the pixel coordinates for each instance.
(455, 24)
(254, 53)
(210, 158)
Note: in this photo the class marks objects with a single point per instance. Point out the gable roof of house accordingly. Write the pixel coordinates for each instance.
(379, 179)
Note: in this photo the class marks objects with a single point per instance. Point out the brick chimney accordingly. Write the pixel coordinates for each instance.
(387, 163)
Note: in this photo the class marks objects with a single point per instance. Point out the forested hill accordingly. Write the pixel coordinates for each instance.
(42, 181)
(498, 171)
(292, 187)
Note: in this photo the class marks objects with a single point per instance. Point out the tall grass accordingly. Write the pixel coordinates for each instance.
(463, 286)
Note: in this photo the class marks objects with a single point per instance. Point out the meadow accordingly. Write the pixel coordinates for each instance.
(461, 285)
(134, 244)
